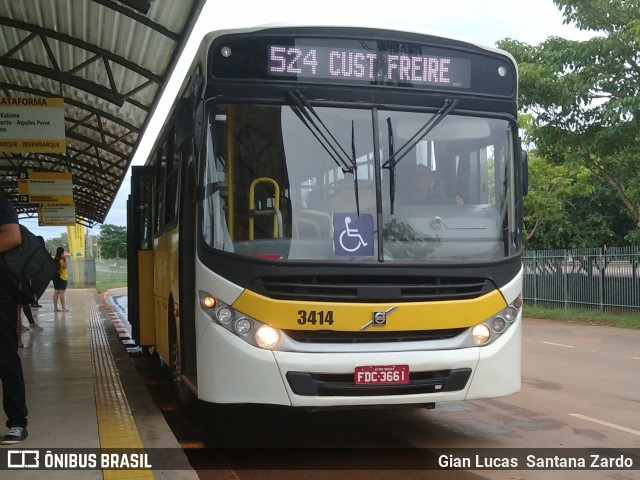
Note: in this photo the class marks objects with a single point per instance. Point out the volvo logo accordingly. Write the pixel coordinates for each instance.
(378, 318)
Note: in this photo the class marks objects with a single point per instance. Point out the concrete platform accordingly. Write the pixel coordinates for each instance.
(84, 395)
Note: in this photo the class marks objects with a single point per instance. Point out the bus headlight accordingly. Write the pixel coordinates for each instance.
(498, 324)
(510, 313)
(224, 315)
(481, 333)
(490, 329)
(243, 326)
(267, 337)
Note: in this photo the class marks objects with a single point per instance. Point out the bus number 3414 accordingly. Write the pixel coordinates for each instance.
(313, 317)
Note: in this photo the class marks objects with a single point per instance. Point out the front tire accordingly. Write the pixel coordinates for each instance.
(185, 395)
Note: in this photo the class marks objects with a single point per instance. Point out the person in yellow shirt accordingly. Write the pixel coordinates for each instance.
(60, 281)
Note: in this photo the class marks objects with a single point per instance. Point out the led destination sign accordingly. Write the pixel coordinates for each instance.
(416, 62)
(366, 65)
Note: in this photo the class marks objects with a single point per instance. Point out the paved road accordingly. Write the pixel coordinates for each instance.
(581, 389)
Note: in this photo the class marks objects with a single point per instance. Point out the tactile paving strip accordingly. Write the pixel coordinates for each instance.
(116, 426)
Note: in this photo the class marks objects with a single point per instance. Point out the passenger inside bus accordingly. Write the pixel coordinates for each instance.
(424, 186)
(316, 200)
(314, 220)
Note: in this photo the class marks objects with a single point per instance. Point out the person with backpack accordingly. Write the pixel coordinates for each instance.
(13, 389)
(60, 281)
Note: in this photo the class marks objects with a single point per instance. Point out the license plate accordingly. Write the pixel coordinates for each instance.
(381, 375)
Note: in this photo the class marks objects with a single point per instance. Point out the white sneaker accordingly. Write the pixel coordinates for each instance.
(15, 435)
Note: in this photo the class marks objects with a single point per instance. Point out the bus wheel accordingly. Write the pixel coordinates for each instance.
(185, 395)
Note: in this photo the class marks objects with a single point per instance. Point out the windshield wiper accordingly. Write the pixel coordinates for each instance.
(396, 156)
(422, 132)
(355, 168)
(392, 167)
(310, 119)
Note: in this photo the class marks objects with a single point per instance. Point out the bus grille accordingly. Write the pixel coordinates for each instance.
(328, 336)
(327, 385)
(370, 289)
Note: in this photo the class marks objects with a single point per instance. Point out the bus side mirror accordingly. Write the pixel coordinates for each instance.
(524, 168)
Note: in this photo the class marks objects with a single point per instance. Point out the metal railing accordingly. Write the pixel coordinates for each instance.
(81, 272)
(607, 279)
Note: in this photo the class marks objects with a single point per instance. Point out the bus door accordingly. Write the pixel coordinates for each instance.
(140, 255)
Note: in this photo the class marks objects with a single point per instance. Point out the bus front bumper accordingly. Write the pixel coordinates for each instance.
(232, 371)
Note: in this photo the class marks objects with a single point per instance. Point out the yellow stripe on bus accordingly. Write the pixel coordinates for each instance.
(347, 317)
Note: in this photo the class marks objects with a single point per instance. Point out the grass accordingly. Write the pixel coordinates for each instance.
(582, 315)
(109, 274)
(104, 285)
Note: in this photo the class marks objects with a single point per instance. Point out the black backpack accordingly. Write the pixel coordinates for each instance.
(27, 269)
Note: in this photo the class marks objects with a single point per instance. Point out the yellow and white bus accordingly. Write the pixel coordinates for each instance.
(332, 218)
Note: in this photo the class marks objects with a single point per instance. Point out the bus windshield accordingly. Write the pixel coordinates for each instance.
(291, 183)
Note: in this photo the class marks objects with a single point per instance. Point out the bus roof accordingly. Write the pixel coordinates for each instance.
(308, 22)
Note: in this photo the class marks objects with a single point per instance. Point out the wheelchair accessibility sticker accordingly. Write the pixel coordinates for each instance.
(353, 234)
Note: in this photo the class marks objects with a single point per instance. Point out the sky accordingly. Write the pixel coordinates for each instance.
(479, 21)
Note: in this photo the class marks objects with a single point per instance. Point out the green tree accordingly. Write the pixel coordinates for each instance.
(545, 205)
(52, 244)
(113, 241)
(573, 211)
(584, 96)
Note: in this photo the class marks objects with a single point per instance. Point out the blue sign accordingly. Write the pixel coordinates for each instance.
(353, 234)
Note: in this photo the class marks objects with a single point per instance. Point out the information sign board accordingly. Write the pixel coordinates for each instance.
(32, 125)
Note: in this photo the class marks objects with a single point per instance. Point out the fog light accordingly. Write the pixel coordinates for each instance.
(243, 325)
(224, 315)
(498, 324)
(481, 333)
(209, 301)
(267, 337)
